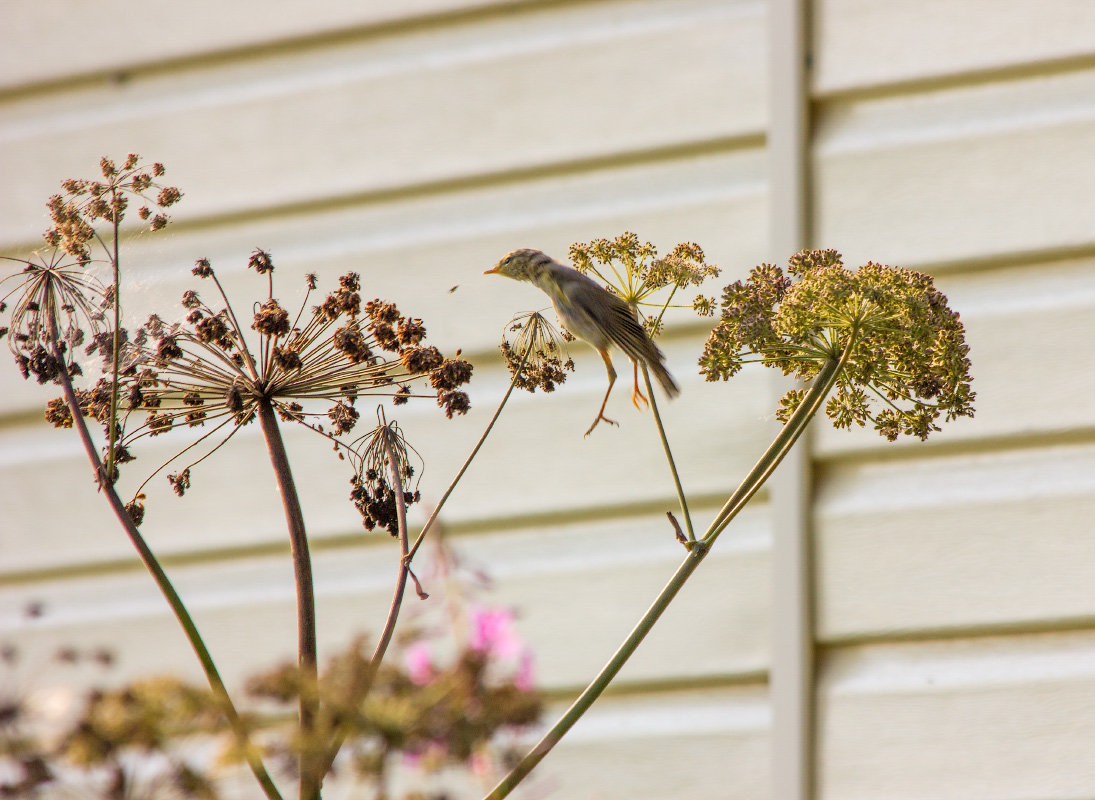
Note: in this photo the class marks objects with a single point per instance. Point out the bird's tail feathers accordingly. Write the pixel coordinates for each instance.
(658, 370)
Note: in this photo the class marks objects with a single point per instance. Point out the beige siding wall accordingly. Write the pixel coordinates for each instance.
(416, 142)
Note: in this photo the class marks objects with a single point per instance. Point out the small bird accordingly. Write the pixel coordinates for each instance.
(592, 314)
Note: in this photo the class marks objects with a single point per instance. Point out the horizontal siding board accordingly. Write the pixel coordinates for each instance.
(577, 590)
(862, 43)
(990, 718)
(414, 250)
(538, 435)
(714, 744)
(1028, 328)
(363, 118)
(956, 543)
(196, 29)
(981, 172)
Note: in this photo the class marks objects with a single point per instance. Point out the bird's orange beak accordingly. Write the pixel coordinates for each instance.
(492, 271)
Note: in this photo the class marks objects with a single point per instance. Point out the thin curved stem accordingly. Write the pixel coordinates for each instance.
(112, 435)
(364, 681)
(467, 462)
(771, 458)
(669, 456)
(310, 780)
(148, 558)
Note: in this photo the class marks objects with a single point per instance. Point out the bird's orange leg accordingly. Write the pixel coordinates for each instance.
(637, 395)
(611, 380)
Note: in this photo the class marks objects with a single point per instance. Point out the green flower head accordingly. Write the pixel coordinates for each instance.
(903, 354)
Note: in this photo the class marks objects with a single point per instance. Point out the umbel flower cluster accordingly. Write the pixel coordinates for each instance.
(633, 270)
(905, 360)
(86, 202)
(202, 372)
(56, 299)
(538, 357)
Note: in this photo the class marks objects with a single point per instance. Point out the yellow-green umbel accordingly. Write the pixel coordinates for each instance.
(592, 314)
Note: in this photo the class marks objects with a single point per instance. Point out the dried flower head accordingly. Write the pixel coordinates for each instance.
(905, 359)
(372, 487)
(85, 203)
(56, 307)
(538, 358)
(632, 270)
(312, 366)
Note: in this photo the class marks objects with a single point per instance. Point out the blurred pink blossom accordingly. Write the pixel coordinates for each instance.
(525, 677)
(481, 764)
(419, 661)
(492, 632)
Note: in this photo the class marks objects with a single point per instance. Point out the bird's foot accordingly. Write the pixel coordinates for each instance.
(638, 397)
(599, 418)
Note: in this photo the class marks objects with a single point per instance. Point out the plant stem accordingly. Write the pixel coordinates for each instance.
(764, 467)
(310, 781)
(669, 456)
(364, 681)
(467, 462)
(148, 558)
(112, 435)
(787, 436)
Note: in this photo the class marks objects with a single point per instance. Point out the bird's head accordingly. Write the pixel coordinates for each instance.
(521, 265)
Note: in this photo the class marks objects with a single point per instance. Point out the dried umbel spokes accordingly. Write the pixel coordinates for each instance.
(538, 357)
(87, 202)
(207, 371)
(372, 487)
(632, 270)
(905, 356)
(55, 305)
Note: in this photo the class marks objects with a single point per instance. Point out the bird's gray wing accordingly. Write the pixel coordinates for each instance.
(615, 318)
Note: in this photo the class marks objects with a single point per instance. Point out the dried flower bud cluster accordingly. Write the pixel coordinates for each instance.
(87, 202)
(204, 370)
(536, 358)
(632, 270)
(373, 487)
(57, 308)
(905, 356)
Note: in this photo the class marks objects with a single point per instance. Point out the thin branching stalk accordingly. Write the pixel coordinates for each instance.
(406, 556)
(148, 558)
(467, 462)
(669, 456)
(364, 681)
(306, 607)
(793, 428)
(115, 361)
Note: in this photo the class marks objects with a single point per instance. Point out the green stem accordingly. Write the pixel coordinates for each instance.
(794, 427)
(148, 558)
(669, 456)
(310, 780)
(787, 436)
(467, 462)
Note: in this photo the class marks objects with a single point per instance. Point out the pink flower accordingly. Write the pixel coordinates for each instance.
(525, 677)
(419, 662)
(480, 764)
(492, 632)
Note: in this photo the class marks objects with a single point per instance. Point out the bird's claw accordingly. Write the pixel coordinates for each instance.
(638, 397)
(599, 418)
